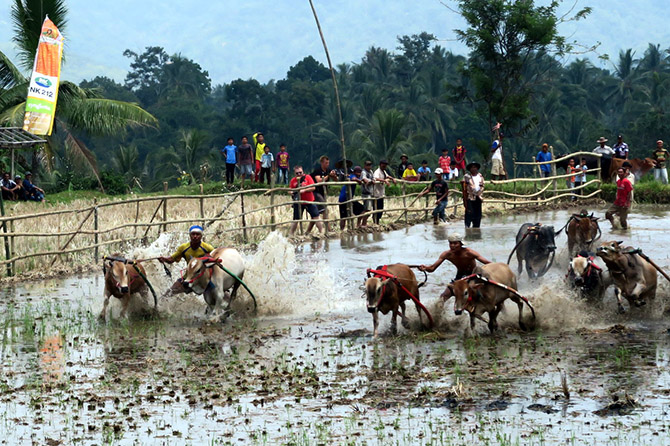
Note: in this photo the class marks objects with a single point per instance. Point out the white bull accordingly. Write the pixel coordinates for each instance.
(204, 277)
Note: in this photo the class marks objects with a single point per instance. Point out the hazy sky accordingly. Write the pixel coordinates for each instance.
(262, 38)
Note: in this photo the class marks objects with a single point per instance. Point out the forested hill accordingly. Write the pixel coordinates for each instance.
(417, 99)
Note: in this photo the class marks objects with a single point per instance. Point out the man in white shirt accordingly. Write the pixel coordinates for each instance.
(474, 188)
(497, 167)
(381, 179)
(603, 149)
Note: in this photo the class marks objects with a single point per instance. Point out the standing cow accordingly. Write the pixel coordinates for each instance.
(582, 231)
(203, 276)
(534, 245)
(384, 293)
(121, 280)
(632, 275)
(478, 294)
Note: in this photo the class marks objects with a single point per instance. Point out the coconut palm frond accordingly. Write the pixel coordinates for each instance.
(13, 116)
(28, 16)
(79, 153)
(105, 116)
(9, 74)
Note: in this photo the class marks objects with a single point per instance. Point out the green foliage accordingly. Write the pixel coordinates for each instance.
(113, 182)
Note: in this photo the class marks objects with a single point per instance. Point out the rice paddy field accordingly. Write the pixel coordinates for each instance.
(304, 368)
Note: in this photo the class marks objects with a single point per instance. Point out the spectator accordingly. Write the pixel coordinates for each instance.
(544, 155)
(245, 159)
(603, 149)
(320, 175)
(9, 188)
(424, 171)
(474, 186)
(20, 193)
(356, 206)
(571, 169)
(459, 157)
(623, 199)
(230, 155)
(267, 164)
(381, 178)
(497, 166)
(660, 156)
(259, 143)
(301, 180)
(441, 189)
(367, 180)
(410, 174)
(404, 162)
(33, 193)
(444, 163)
(454, 171)
(627, 166)
(581, 177)
(620, 149)
(282, 164)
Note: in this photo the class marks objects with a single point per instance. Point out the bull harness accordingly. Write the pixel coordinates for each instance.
(499, 285)
(533, 230)
(217, 262)
(382, 273)
(590, 267)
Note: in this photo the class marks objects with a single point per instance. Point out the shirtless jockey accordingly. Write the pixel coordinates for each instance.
(187, 251)
(465, 260)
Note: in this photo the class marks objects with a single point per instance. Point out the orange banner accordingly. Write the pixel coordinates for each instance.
(43, 89)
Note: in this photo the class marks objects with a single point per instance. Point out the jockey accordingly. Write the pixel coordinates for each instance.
(187, 251)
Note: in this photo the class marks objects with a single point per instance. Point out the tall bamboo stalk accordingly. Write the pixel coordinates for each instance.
(337, 92)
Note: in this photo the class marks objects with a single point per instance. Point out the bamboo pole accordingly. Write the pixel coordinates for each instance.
(202, 205)
(165, 188)
(137, 216)
(244, 220)
(152, 217)
(95, 228)
(8, 253)
(553, 169)
(566, 157)
(404, 200)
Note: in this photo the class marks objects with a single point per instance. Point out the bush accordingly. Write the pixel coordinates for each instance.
(113, 182)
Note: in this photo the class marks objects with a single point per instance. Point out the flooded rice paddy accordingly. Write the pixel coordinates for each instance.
(304, 370)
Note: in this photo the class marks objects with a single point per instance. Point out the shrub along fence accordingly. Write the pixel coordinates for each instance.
(40, 240)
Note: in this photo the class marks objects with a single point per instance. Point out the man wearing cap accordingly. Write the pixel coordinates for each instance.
(356, 206)
(602, 148)
(542, 156)
(32, 192)
(660, 156)
(465, 260)
(441, 189)
(187, 251)
(404, 162)
(474, 188)
(381, 179)
(620, 149)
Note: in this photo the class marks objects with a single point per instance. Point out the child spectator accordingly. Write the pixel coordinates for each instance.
(424, 171)
(282, 164)
(230, 155)
(459, 155)
(580, 179)
(441, 189)
(453, 172)
(410, 174)
(245, 159)
(445, 163)
(267, 164)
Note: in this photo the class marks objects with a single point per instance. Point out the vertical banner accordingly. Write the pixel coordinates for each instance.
(43, 89)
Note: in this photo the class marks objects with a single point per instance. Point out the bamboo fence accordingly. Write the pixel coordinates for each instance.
(76, 235)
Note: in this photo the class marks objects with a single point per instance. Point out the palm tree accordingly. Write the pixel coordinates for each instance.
(78, 110)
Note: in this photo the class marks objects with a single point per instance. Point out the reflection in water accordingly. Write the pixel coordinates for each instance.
(52, 361)
(472, 234)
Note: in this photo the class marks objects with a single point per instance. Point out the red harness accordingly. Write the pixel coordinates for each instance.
(205, 259)
(382, 273)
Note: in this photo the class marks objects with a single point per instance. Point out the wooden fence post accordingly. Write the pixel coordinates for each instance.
(73, 235)
(95, 228)
(244, 219)
(137, 216)
(272, 210)
(165, 189)
(8, 254)
(404, 201)
(553, 169)
(202, 205)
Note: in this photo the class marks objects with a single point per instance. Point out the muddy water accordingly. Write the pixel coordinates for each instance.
(305, 370)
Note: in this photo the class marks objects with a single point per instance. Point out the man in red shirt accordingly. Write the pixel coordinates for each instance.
(621, 204)
(302, 180)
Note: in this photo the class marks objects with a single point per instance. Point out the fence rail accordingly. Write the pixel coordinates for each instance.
(242, 216)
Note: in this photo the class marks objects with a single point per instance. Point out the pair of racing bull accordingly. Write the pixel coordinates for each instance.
(211, 276)
(485, 291)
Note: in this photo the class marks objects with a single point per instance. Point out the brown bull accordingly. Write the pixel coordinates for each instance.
(632, 275)
(582, 231)
(478, 294)
(121, 280)
(639, 169)
(384, 294)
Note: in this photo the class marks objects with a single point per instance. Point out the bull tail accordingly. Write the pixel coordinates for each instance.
(556, 234)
